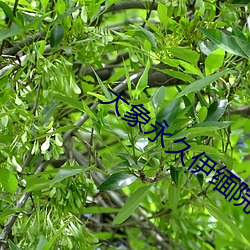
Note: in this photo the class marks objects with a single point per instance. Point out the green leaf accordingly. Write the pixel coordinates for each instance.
(8, 180)
(117, 181)
(49, 244)
(35, 183)
(168, 113)
(98, 210)
(244, 45)
(162, 12)
(173, 196)
(177, 74)
(213, 153)
(66, 172)
(104, 89)
(158, 97)
(147, 35)
(56, 35)
(223, 41)
(216, 110)
(7, 10)
(70, 101)
(174, 172)
(41, 243)
(200, 178)
(44, 3)
(13, 246)
(186, 54)
(143, 81)
(132, 203)
(214, 61)
(9, 32)
(227, 223)
(202, 114)
(9, 211)
(49, 110)
(213, 124)
(193, 132)
(197, 85)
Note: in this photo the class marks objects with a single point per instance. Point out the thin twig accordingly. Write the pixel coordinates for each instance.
(148, 14)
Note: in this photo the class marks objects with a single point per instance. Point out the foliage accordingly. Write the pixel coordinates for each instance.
(73, 173)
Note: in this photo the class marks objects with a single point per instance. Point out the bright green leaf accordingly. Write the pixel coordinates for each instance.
(186, 54)
(173, 196)
(8, 180)
(214, 61)
(143, 81)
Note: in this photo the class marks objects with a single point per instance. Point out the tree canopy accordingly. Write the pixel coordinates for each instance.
(124, 124)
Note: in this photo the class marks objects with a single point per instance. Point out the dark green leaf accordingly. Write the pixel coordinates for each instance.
(216, 110)
(117, 181)
(174, 172)
(245, 2)
(56, 35)
(200, 179)
(223, 41)
(7, 10)
(169, 112)
(132, 203)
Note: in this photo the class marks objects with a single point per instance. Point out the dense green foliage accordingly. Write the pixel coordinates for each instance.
(73, 173)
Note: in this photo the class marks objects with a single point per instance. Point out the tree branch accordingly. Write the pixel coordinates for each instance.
(129, 5)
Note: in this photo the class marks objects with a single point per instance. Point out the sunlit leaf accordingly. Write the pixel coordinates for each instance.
(117, 181)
